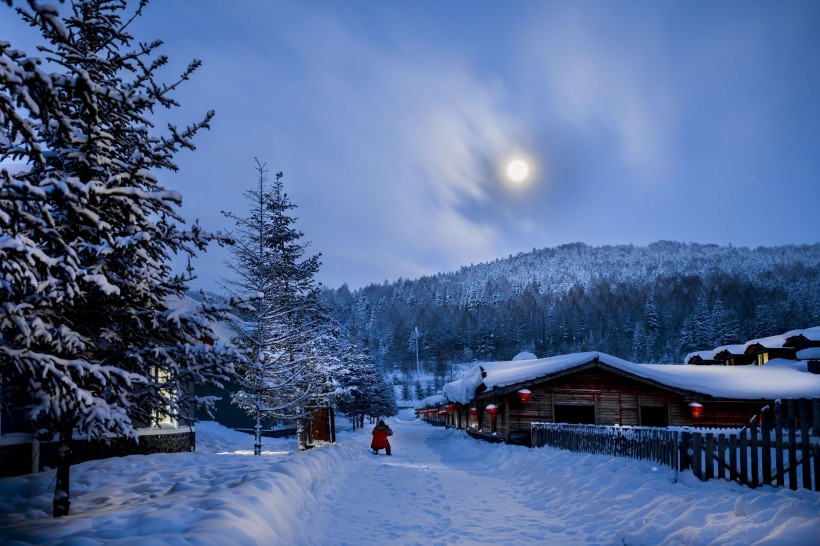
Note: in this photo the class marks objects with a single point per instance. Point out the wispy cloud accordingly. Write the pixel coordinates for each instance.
(416, 135)
(598, 82)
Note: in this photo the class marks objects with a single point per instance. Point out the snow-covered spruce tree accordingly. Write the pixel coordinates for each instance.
(286, 335)
(367, 393)
(88, 343)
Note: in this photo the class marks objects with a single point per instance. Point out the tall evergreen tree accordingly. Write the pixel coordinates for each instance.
(89, 341)
(286, 338)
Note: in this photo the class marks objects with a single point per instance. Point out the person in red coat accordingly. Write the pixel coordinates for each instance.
(380, 434)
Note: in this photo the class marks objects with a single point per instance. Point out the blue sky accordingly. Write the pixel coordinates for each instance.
(393, 121)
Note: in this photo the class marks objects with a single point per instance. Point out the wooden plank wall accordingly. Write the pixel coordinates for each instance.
(617, 400)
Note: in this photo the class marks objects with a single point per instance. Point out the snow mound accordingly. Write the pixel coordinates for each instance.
(525, 356)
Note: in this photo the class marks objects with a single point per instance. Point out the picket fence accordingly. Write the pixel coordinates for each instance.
(776, 448)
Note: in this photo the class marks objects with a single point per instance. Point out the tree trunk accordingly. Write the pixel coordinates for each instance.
(257, 435)
(62, 498)
(300, 433)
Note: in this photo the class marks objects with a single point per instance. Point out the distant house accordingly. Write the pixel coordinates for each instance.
(726, 355)
(759, 351)
(499, 400)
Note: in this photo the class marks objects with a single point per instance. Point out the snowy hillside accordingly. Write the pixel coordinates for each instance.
(644, 304)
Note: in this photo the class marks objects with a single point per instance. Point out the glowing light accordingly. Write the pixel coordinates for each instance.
(518, 170)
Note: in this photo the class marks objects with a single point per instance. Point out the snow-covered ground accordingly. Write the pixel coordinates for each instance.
(439, 487)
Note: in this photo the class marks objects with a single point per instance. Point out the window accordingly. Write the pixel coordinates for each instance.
(576, 414)
(163, 420)
(654, 416)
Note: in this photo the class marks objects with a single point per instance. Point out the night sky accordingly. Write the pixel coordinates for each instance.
(394, 123)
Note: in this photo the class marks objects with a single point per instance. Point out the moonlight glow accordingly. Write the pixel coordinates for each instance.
(517, 170)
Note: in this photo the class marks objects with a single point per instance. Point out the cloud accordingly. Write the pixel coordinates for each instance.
(416, 136)
(600, 82)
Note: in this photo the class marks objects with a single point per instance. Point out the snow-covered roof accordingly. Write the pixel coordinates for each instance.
(736, 349)
(812, 334)
(812, 353)
(704, 355)
(771, 342)
(777, 342)
(732, 382)
(525, 356)
(430, 401)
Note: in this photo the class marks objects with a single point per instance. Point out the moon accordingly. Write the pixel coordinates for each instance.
(518, 170)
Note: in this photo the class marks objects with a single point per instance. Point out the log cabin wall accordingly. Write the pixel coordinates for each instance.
(612, 399)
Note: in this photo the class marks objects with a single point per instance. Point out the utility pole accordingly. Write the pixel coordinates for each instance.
(416, 337)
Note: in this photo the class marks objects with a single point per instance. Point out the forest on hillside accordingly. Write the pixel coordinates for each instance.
(646, 304)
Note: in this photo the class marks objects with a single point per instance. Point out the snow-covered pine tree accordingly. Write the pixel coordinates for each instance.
(288, 336)
(367, 393)
(88, 342)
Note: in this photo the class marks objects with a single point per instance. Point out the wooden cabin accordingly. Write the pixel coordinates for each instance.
(595, 388)
(802, 339)
(701, 358)
(760, 354)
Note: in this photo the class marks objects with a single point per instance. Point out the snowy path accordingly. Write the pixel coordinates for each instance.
(426, 494)
(440, 487)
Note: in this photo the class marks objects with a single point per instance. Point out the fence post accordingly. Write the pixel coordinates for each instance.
(778, 442)
(766, 430)
(697, 455)
(744, 457)
(804, 440)
(755, 481)
(733, 469)
(722, 456)
(792, 424)
(708, 456)
(685, 459)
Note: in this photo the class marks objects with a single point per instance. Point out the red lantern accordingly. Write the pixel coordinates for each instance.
(524, 395)
(450, 408)
(696, 409)
(492, 409)
(474, 412)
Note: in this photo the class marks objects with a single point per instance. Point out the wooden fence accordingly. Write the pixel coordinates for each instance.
(776, 448)
(653, 444)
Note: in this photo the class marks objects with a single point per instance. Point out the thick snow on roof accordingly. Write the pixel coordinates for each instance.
(771, 342)
(812, 334)
(525, 356)
(430, 401)
(812, 353)
(776, 342)
(737, 349)
(704, 355)
(775, 380)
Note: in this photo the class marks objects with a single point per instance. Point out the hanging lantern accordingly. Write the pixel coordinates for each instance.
(492, 409)
(474, 411)
(524, 395)
(696, 409)
(450, 408)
